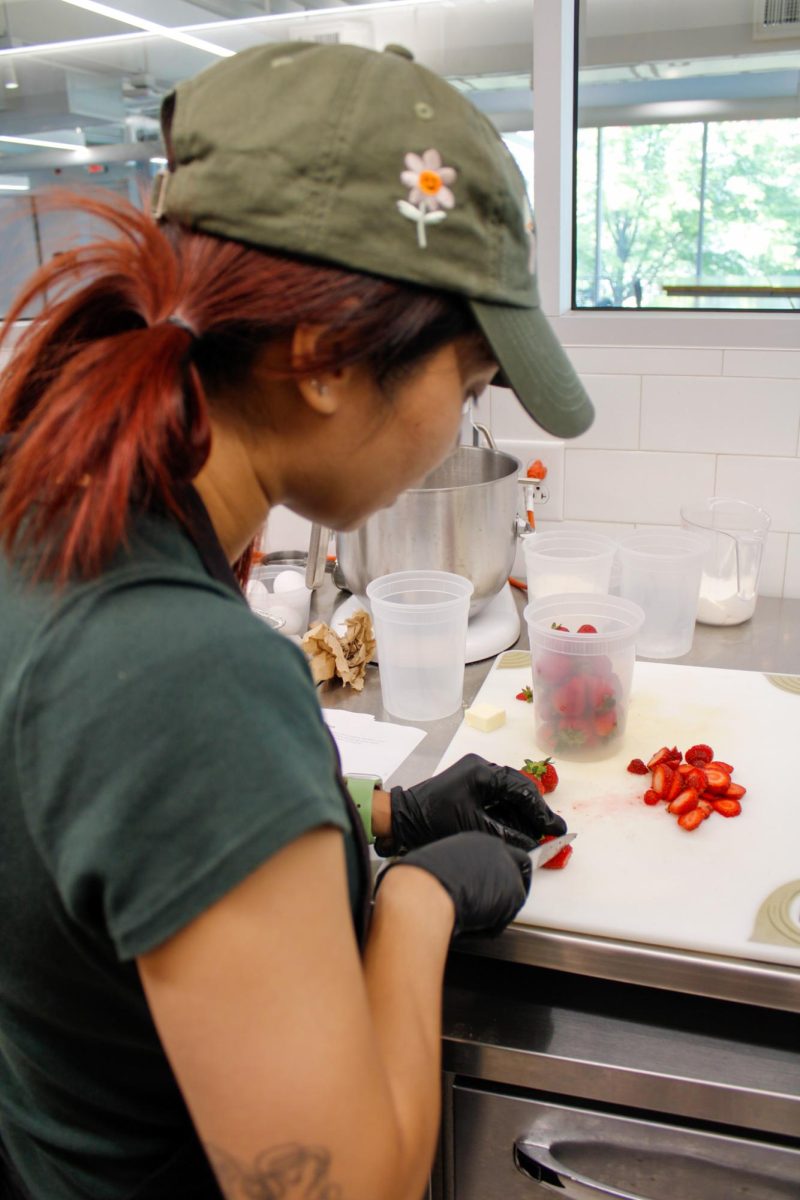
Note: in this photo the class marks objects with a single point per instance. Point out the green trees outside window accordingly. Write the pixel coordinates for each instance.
(699, 215)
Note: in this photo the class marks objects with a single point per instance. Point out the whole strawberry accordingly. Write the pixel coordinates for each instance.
(543, 774)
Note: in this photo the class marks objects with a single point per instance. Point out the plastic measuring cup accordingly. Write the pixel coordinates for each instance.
(582, 681)
(568, 560)
(660, 571)
(420, 620)
(734, 533)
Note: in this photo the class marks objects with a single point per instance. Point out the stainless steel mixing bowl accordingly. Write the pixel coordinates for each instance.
(462, 518)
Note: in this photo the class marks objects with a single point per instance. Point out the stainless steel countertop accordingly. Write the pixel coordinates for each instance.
(768, 642)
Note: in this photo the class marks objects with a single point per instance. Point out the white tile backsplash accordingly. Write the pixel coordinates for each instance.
(638, 486)
(510, 421)
(645, 360)
(767, 364)
(772, 483)
(721, 416)
(616, 400)
(791, 584)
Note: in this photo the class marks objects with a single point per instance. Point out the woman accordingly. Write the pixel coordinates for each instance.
(193, 1001)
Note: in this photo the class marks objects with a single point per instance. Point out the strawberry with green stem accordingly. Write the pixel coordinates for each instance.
(543, 774)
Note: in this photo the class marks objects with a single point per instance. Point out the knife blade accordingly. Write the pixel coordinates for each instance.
(547, 850)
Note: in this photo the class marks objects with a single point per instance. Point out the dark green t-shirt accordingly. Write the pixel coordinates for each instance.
(157, 743)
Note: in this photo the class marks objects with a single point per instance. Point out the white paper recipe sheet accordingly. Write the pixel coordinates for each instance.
(370, 747)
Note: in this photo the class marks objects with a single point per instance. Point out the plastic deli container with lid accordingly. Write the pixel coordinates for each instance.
(582, 681)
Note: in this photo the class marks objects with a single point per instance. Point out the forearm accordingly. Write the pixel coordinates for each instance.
(404, 967)
(381, 814)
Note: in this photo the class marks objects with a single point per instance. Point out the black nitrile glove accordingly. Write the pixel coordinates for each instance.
(487, 880)
(473, 794)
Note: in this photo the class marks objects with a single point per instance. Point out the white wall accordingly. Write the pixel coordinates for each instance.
(679, 423)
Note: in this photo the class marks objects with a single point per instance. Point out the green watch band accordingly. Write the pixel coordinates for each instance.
(361, 789)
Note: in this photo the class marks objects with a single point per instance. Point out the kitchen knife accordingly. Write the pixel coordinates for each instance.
(547, 850)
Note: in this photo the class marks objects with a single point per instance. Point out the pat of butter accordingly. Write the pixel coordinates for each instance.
(485, 717)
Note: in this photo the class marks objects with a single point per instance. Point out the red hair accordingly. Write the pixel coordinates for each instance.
(105, 401)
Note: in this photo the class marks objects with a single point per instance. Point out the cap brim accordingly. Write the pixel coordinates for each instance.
(533, 364)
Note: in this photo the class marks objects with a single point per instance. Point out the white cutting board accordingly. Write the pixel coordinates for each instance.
(635, 874)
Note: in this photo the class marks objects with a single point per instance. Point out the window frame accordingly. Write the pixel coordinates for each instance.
(554, 98)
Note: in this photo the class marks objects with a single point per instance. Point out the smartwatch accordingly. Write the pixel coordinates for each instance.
(361, 789)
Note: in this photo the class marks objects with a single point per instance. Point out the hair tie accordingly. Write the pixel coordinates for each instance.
(182, 325)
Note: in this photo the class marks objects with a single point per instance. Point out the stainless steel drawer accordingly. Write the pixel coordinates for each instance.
(512, 1148)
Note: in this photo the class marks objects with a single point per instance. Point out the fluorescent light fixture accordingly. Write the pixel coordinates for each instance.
(40, 142)
(14, 183)
(161, 162)
(126, 18)
(10, 81)
(40, 49)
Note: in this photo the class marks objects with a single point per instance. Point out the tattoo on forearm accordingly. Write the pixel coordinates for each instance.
(289, 1172)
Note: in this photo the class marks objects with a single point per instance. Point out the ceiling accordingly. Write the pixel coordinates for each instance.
(89, 81)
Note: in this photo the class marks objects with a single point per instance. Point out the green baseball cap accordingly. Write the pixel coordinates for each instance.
(369, 161)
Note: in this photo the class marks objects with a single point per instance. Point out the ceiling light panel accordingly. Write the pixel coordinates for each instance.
(147, 26)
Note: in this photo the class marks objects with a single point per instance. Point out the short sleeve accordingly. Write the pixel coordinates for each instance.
(167, 744)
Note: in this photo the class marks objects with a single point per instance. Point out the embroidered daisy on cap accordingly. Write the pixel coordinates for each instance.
(429, 193)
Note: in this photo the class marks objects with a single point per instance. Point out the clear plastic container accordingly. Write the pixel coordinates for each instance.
(734, 533)
(582, 681)
(277, 592)
(660, 571)
(420, 620)
(568, 560)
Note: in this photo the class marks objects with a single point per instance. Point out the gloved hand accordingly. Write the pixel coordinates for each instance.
(486, 879)
(472, 794)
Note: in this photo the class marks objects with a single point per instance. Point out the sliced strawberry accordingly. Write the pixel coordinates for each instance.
(717, 780)
(586, 629)
(684, 802)
(735, 791)
(637, 767)
(662, 779)
(561, 628)
(700, 751)
(705, 806)
(691, 820)
(660, 756)
(696, 778)
(726, 806)
(674, 755)
(650, 797)
(558, 861)
(716, 765)
(676, 786)
(683, 769)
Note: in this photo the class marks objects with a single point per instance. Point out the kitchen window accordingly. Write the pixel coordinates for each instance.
(687, 155)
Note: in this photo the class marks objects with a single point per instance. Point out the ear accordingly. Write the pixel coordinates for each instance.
(321, 390)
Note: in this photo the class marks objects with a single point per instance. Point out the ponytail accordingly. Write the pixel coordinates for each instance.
(100, 403)
(105, 402)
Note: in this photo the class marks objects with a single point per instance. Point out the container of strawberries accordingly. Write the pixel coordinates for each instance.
(583, 651)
